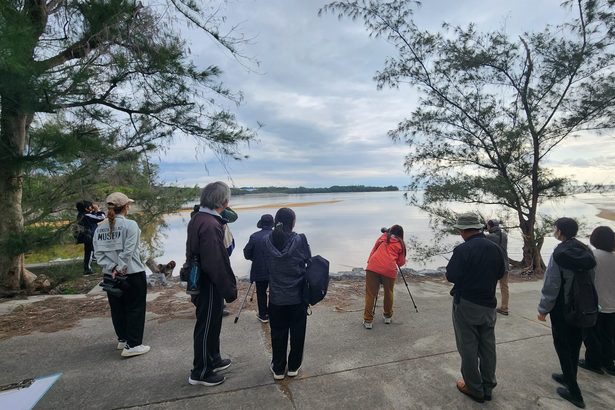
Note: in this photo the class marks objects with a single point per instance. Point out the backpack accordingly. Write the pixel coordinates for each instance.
(316, 280)
(581, 302)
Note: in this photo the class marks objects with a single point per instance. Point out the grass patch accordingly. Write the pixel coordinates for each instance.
(67, 278)
(54, 252)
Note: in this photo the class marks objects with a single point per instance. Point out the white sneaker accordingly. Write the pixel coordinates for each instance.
(135, 351)
(121, 345)
(293, 373)
(367, 325)
(387, 320)
(276, 376)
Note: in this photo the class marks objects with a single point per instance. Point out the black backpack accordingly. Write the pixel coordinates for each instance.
(316, 280)
(581, 302)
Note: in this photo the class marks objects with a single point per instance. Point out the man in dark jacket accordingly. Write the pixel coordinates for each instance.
(475, 268)
(259, 273)
(569, 256)
(217, 283)
(500, 238)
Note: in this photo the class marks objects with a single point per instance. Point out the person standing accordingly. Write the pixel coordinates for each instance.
(600, 340)
(569, 256)
(88, 217)
(388, 253)
(286, 256)
(500, 238)
(116, 248)
(217, 283)
(254, 251)
(474, 269)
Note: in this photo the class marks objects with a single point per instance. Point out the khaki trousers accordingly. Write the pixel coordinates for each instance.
(372, 286)
(504, 291)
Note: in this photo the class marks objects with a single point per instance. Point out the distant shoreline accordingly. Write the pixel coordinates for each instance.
(278, 205)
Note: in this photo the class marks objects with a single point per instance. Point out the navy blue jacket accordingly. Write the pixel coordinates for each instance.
(287, 269)
(254, 251)
(475, 268)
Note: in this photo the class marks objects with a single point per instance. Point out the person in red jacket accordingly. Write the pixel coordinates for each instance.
(388, 253)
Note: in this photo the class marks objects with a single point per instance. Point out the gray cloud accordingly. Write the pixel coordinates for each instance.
(325, 122)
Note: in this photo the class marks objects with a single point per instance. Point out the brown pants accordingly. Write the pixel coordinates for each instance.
(372, 286)
(504, 291)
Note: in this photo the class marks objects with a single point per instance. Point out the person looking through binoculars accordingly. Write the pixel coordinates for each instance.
(388, 253)
(116, 248)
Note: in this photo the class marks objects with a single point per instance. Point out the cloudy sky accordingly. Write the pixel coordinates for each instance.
(324, 121)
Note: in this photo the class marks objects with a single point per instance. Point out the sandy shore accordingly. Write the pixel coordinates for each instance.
(278, 205)
(606, 214)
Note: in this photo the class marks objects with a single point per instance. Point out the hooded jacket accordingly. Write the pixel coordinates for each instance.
(386, 257)
(569, 257)
(206, 239)
(287, 269)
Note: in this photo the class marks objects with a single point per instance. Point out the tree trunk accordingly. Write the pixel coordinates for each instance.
(13, 129)
(532, 260)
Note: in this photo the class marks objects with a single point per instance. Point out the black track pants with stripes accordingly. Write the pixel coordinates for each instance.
(209, 305)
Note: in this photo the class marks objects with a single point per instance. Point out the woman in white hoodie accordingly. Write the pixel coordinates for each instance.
(600, 340)
(116, 247)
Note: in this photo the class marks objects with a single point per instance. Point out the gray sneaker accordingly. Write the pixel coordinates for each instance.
(367, 325)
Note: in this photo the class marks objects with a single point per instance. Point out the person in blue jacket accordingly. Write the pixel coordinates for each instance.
(259, 273)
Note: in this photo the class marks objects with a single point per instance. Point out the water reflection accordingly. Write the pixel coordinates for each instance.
(345, 230)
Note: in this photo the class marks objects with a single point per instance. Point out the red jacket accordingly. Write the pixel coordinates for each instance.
(386, 257)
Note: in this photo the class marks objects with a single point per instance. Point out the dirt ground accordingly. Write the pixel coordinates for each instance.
(57, 313)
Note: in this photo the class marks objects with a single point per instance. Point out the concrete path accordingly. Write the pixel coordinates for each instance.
(409, 364)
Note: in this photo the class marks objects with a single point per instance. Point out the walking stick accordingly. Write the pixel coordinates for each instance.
(242, 303)
(404, 278)
(375, 302)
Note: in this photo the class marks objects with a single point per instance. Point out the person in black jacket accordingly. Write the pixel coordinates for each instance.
(88, 217)
(217, 283)
(569, 256)
(475, 268)
(286, 256)
(258, 272)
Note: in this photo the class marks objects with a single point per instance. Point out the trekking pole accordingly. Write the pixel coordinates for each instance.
(404, 278)
(242, 303)
(375, 302)
(253, 292)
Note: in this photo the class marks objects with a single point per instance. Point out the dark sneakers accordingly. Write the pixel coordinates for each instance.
(583, 364)
(223, 364)
(211, 379)
(565, 394)
(558, 377)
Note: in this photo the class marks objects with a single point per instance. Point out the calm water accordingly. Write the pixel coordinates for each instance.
(345, 231)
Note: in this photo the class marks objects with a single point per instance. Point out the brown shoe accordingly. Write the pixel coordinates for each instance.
(502, 311)
(461, 386)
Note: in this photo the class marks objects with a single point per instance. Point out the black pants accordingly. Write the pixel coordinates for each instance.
(128, 310)
(285, 320)
(600, 342)
(206, 330)
(567, 340)
(261, 297)
(88, 249)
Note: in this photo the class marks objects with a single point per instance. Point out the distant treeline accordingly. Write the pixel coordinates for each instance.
(285, 190)
(304, 190)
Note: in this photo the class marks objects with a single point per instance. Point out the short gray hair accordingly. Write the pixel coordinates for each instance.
(215, 195)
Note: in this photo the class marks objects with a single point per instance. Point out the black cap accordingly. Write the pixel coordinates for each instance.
(266, 221)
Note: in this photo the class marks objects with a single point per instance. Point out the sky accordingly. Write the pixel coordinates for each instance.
(324, 121)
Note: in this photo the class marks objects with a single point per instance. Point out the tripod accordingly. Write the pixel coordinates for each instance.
(243, 302)
(411, 298)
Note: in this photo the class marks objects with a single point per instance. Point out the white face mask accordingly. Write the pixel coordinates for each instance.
(556, 233)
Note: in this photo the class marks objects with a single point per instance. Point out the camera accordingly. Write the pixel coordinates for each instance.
(114, 287)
